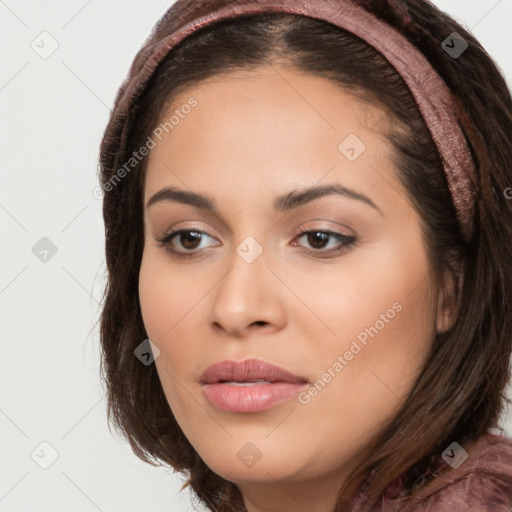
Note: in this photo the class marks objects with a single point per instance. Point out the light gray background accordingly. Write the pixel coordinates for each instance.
(53, 112)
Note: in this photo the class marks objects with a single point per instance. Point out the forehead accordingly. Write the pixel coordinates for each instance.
(263, 129)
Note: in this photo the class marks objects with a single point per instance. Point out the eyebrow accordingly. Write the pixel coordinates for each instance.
(282, 203)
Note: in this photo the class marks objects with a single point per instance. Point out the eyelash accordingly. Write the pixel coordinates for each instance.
(346, 242)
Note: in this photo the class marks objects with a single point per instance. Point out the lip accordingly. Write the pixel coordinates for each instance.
(233, 385)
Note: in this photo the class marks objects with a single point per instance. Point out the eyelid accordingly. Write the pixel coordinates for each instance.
(170, 234)
(313, 225)
(183, 226)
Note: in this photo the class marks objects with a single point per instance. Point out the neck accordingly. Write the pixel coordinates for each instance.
(313, 495)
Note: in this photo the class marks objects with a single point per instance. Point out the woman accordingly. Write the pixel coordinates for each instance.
(308, 238)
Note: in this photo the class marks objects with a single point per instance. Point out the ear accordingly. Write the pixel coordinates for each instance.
(447, 301)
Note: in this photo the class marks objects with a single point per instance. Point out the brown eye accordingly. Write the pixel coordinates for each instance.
(318, 240)
(189, 239)
(184, 242)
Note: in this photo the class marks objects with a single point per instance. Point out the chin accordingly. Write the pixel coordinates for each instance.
(260, 473)
(257, 461)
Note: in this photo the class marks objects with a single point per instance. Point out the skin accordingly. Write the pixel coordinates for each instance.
(252, 137)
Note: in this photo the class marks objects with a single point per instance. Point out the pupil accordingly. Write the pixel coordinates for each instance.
(194, 236)
(318, 235)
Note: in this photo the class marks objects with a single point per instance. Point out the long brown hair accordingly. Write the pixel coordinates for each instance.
(459, 393)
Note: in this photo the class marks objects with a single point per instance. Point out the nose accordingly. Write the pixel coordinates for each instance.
(248, 299)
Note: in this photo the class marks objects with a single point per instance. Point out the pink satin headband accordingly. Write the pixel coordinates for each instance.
(434, 99)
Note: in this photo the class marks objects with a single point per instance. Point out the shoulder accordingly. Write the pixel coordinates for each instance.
(481, 483)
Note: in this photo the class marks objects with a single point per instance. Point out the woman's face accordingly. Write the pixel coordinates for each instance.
(350, 318)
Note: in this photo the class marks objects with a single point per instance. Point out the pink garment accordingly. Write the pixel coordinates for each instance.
(482, 483)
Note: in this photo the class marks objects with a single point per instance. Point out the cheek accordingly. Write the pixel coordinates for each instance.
(380, 311)
(164, 312)
(164, 298)
(383, 337)
(155, 299)
(384, 324)
(379, 297)
(168, 304)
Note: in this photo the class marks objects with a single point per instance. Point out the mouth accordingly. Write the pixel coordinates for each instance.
(249, 386)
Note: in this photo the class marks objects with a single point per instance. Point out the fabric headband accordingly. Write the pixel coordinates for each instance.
(434, 99)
